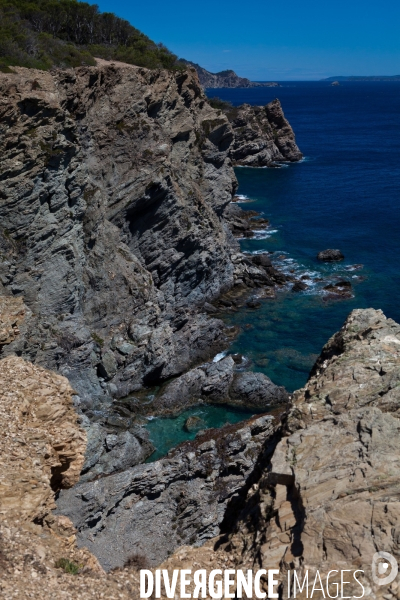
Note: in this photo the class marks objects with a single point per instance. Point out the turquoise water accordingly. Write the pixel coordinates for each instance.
(345, 195)
(166, 433)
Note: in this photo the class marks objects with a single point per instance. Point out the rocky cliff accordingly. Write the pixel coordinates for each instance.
(225, 79)
(114, 186)
(262, 136)
(113, 182)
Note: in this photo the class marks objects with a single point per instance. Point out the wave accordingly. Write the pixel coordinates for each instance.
(241, 198)
(262, 234)
(219, 356)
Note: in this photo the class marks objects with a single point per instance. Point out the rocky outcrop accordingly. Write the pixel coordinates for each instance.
(262, 136)
(328, 497)
(225, 79)
(41, 451)
(330, 255)
(151, 510)
(42, 445)
(219, 383)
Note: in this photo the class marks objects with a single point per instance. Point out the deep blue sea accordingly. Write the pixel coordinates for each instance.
(345, 194)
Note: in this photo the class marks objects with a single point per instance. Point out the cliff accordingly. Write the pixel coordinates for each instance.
(114, 186)
(262, 136)
(225, 79)
(113, 183)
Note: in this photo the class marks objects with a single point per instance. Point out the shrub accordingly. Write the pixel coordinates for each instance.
(67, 565)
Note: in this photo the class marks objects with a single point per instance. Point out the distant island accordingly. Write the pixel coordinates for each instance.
(225, 79)
(364, 78)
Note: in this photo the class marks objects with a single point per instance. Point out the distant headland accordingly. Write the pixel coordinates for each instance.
(364, 78)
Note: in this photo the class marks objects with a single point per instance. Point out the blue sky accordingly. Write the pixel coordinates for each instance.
(286, 40)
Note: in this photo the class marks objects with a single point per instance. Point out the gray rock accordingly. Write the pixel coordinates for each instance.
(107, 452)
(108, 365)
(256, 390)
(263, 260)
(152, 509)
(330, 255)
(218, 383)
(299, 286)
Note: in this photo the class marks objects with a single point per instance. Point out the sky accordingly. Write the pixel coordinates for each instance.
(264, 40)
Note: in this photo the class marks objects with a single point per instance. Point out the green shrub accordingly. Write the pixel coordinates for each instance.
(67, 565)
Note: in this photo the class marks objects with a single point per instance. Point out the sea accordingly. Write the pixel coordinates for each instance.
(344, 194)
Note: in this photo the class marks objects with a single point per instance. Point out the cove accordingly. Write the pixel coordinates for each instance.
(168, 432)
(344, 194)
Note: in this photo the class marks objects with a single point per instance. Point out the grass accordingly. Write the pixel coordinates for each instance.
(67, 565)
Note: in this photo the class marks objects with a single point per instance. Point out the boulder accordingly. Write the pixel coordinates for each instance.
(340, 288)
(256, 390)
(261, 260)
(108, 365)
(330, 255)
(253, 304)
(299, 286)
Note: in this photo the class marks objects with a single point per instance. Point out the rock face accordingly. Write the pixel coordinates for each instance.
(329, 496)
(113, 182)
(262, 136)
(114, 185)
(42, 445)
(150, 510)
(225, 79)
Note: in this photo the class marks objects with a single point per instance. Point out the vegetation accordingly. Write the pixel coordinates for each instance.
(67, 565)
(219, 103)
(68, 33)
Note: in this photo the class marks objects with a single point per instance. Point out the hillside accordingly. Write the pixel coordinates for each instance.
(225, 79)
(66, 33)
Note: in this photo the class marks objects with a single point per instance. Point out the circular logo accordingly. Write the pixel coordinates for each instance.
(384, 568)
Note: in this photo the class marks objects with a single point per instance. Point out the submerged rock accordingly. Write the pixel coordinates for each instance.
(340, 288)
(330, 255)
(193, 423)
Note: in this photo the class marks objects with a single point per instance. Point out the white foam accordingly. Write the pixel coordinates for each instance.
(241, 198)
(263, 234)
(219, 356)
